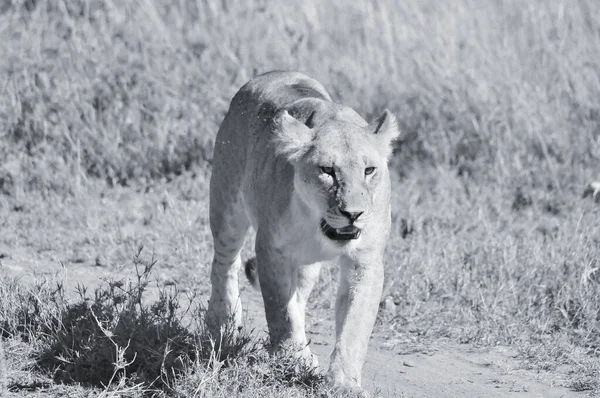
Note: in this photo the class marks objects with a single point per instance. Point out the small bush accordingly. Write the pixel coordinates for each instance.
(116, 340)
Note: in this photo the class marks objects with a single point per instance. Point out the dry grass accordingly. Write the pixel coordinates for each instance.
(137, 91)
(117, 343)
(498, 102)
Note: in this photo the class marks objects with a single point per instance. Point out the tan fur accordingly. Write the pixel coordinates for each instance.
(280, 131)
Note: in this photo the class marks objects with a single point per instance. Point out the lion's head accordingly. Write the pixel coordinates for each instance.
(339, 163)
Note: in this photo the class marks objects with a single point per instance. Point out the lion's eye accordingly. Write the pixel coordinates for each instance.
(327, 170)
(369, 170)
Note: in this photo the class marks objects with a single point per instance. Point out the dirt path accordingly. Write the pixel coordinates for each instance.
(446, 370)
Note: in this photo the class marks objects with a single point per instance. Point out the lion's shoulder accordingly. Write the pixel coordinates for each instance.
(273, 91)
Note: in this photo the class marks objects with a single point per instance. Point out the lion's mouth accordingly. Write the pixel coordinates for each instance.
(346, 233)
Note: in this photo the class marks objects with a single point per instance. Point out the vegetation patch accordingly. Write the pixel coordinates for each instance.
(115, 341)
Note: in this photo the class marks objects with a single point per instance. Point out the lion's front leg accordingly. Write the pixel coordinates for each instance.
(285, 288)
(361, 284)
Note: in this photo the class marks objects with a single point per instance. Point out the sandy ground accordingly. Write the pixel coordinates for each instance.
(443, 369)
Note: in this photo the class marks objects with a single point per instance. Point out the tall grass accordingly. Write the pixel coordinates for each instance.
(136, 90)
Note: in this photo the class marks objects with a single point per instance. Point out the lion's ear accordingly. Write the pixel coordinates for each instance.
(292, 138)
(385, 128)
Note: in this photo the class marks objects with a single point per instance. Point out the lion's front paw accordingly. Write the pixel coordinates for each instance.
(310, 359)
(222, 321)
(303, 355)
(355, 391)
(348, 387)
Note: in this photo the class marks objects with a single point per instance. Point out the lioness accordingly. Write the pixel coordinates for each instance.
(311, 177)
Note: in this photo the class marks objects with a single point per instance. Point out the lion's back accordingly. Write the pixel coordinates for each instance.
(242, 145)
(261, 98)
(255, 104)
(279, 89)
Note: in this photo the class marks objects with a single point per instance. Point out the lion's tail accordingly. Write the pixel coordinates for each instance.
(252, 272)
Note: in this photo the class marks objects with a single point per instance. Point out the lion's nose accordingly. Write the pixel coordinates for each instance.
(352, 216)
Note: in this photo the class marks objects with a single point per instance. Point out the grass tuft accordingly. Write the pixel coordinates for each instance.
(114, 335)
(117, 342)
